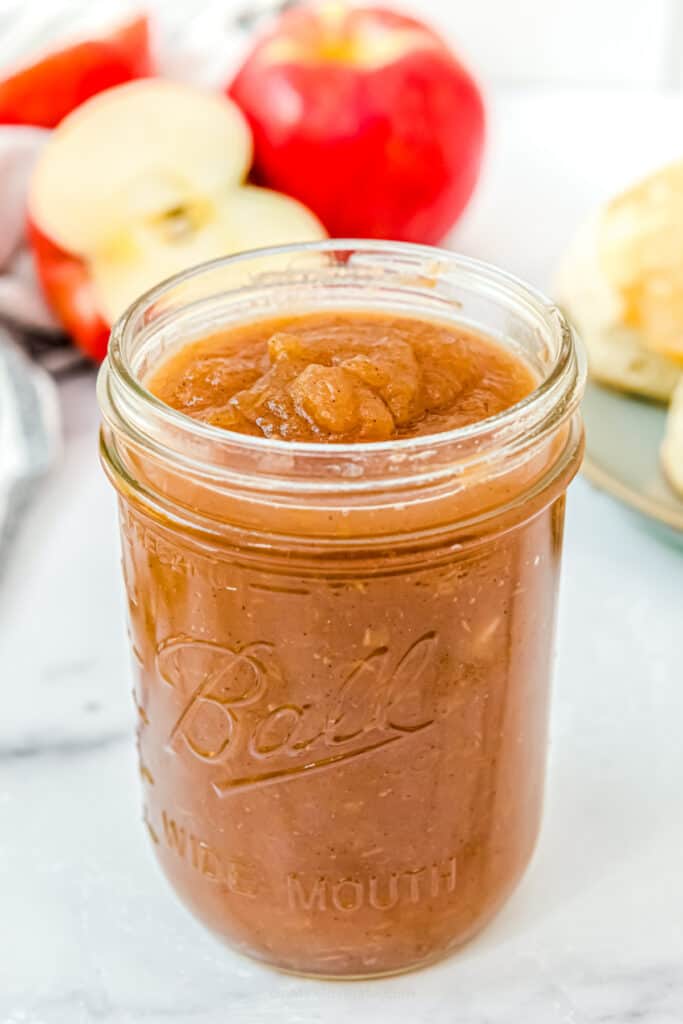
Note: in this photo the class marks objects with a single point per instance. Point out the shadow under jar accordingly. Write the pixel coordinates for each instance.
(342, 652)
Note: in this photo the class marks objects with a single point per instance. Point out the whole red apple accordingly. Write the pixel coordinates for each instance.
(45, 92)
(365, 116)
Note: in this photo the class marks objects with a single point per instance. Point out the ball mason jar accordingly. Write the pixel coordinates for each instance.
(342, 652)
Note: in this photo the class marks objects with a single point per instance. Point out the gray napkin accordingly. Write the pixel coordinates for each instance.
(29, 434)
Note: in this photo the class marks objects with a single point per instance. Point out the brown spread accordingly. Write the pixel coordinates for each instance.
(343, 752)
(342, 377)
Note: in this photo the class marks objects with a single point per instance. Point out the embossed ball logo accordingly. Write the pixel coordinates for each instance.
(237, 711)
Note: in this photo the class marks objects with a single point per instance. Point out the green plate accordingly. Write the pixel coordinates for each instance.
(623, 435)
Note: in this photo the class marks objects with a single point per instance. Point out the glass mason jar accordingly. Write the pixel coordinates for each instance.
(342, 652)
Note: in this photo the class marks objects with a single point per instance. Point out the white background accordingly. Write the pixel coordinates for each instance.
(520, 43)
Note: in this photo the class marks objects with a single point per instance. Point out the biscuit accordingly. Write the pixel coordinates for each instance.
(617, 353)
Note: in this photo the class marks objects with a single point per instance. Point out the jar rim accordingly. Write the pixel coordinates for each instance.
(550, 403)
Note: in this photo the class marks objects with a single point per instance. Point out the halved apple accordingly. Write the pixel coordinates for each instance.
(146, 180)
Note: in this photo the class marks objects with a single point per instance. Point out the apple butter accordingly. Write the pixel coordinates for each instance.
(342, 377)
(341, 534)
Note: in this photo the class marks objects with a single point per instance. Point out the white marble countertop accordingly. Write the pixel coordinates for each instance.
(88, 928)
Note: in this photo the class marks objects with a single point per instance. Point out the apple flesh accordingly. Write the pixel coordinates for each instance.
(142, 182)
(136, 154)
(366, 117)
(48, 90)
(247, 218)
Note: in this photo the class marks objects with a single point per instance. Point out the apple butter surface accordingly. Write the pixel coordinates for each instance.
(342, 377)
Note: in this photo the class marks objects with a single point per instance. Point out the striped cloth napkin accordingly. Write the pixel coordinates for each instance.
(21, 301)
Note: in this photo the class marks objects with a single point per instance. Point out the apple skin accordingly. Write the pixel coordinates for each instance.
(44, 93)
(66, 284)
(390, 150)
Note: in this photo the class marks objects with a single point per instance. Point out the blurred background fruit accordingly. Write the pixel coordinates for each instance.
(44, 92)
(68, 289)
(367, 117)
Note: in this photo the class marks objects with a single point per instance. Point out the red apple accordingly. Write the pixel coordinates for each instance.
(140, 182)
(48, 90)
(69, 292)
(367, 117)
